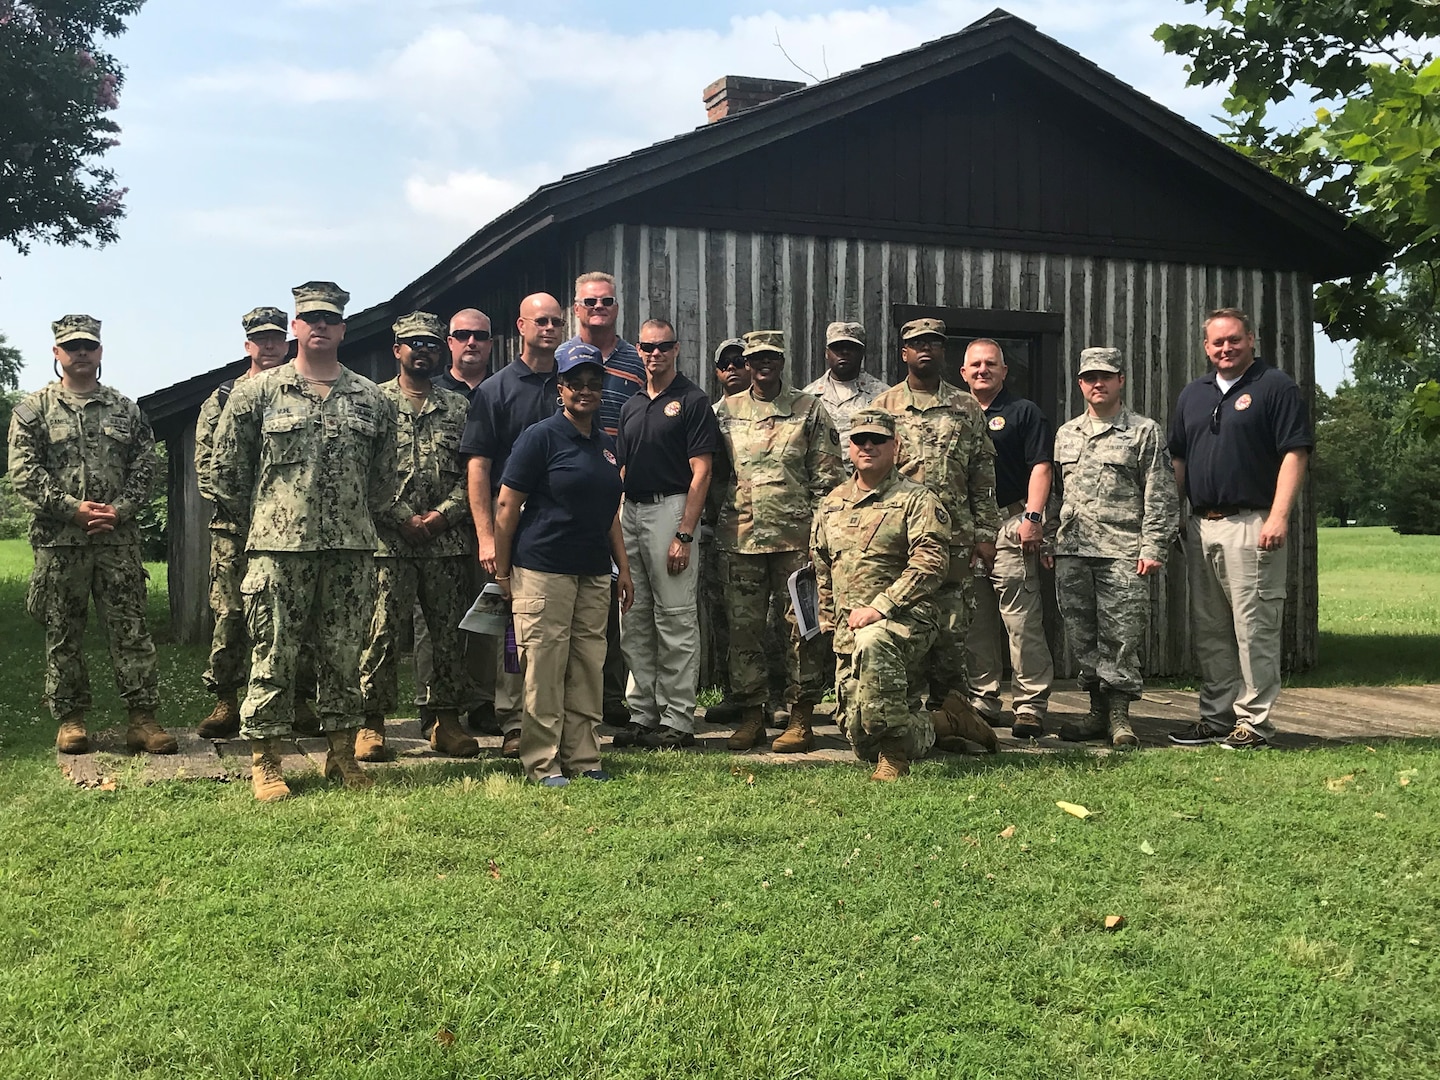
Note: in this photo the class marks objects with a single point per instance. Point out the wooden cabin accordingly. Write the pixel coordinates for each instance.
(993, 178)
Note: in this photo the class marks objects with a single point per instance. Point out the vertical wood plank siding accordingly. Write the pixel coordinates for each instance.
(715, 284)
(188, 562)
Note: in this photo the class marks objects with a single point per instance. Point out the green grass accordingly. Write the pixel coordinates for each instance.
(706, 917)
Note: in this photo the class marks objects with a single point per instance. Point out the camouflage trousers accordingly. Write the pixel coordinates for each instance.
(750, 581)
(327, 597)
(64, 580)
(1106, 608)
(229, 642)
(947, 666)
(879, 676)
(439, 586)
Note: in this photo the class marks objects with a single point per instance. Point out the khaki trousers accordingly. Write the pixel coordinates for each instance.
(1237, 610)
(560, 629)
(1008, 607)
(660, 635)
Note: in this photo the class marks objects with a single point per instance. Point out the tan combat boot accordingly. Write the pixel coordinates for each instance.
(751, 731)
(893, 763)
(448, 737)
(223, 721)
(798, 737)
(340, 763)
(1122, 735)
(370, 740)
(957, 719)
(266, 779)
(72, 737)
(144, 734)
(1094, 723)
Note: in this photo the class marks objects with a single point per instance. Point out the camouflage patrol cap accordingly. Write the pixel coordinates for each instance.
(419, 324)
(758, 341)
(260, 319)
(1098, 359)
(728, 343)
(320, 296)
(874, 421)
(76, 328)
(845, 331)
(922, 328)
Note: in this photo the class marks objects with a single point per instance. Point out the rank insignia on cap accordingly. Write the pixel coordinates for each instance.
(1243, 402)
(672, 408)
(997, 423)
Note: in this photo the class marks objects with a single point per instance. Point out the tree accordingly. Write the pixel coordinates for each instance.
(10, 364)
(57, 87)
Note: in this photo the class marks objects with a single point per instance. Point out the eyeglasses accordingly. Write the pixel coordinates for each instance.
(596, 384)
(655, 346)
(465, 335)
(80, 345)
(329, 318)
(869, 438)
(1215, 417)
(596, 301)
(420, 344)
(548, 320)
(925, 344)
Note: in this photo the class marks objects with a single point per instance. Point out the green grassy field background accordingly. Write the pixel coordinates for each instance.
(710, 917)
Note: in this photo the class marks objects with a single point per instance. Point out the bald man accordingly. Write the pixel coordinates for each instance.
(522, 393)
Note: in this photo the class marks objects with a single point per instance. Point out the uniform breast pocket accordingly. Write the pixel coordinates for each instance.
(286, 439)
(362, 426)
(118, 431)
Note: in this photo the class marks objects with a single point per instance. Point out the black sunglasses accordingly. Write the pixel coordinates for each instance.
(420, 344)
(597, 301)
(466, 335)
(655, 346)
(737, 364)
(80, 345)
(329, 318)
(869, 438)
(593, 383)
(548, 320)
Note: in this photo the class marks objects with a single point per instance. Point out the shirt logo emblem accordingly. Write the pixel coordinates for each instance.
(1243, 402)
(609, 457)
(672, 408)
(997, 423)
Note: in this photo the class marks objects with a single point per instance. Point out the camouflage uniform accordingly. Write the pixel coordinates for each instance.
(1119, 506)
(843, 400)
(887, 548)
(784, 455)
(438, 574)
(307, 477)
(943, 444)
(66, 448)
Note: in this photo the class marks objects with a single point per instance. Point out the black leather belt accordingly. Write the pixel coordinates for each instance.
(652, 496)
(1219, 513)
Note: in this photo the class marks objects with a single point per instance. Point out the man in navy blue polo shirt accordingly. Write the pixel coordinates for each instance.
(1240, 442)
(522, 393)
(668, 439)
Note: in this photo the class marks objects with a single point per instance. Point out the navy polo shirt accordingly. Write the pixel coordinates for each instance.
(659, 436)
(1022, 439)
(624, 377)
(572, 488)
(1232, 445)
(447, 381)
(504, 405)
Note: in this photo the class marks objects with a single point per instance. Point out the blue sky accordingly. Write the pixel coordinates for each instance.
(359, 141)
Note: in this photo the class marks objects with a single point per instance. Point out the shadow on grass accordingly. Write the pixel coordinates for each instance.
(1373, 660)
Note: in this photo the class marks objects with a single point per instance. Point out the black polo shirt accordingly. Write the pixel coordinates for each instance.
(504, 405)
(572, 488)
(1022, 438)
(659, 436)
(1232, 445)
(446, 381)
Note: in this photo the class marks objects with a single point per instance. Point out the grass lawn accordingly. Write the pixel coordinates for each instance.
(703, 917)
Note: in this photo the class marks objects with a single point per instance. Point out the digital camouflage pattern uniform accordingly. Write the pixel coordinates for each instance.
(1119, 506)
(843, 400)
(784, 456)
(438, 573)
(944, 445)
(66, 449)
(307, 477)
(887, 548)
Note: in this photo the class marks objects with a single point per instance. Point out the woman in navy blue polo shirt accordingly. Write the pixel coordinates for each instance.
(557, 529)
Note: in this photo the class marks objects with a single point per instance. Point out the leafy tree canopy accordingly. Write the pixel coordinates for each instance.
(57, 87)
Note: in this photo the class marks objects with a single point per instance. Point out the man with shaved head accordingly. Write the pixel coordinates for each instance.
(522, 393)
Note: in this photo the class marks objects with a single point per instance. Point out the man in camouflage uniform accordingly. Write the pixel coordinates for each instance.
(881, 546)
(82, 460)
(1119, 512)
(305, 463)
(784, 456)
(229, 645)
(428, 555)
(845, 389)
(943, 445)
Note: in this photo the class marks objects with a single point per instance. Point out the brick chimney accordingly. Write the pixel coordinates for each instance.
(735, 93)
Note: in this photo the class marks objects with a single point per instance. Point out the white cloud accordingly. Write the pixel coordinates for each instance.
(468, 199)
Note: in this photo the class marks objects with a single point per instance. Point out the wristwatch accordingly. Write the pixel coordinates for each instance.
(685, 538)
(1032, 515)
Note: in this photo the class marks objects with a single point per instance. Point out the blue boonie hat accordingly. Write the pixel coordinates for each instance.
(580, 353)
